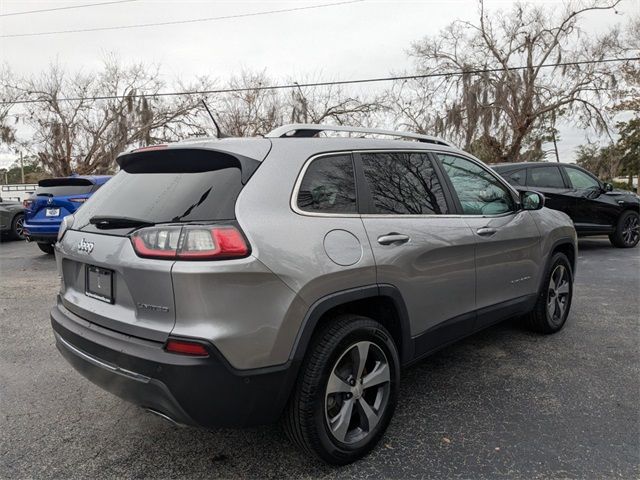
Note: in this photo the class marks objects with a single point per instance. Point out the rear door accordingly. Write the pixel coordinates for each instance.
(508, 256)
(418, 246)
(549, 181)
(104, 281)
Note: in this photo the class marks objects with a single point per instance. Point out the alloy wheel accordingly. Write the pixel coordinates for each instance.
(19, 227)
(558, 294)
(357, 392)
(631, 230)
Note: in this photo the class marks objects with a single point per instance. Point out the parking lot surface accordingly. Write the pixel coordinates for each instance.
(504, 403)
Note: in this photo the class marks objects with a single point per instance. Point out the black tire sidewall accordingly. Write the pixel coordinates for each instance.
(46, 247)
(373, 332)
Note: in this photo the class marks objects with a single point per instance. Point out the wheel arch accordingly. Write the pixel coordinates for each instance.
(383, 303)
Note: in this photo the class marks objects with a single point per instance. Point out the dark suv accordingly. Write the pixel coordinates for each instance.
(595, 207)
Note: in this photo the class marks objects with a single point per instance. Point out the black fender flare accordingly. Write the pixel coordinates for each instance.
(324, 304)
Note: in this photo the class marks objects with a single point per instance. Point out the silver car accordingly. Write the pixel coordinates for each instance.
(244, 280)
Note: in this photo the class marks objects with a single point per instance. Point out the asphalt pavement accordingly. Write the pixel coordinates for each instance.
(504, 403)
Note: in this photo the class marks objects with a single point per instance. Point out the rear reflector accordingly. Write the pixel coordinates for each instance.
(186, 348)
(191, 242)
(27, 203)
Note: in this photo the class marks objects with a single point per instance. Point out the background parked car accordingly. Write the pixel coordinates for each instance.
(11, 219)
(54, 199)
(594, 206)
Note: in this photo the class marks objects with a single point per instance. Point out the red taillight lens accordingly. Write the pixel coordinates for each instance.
(191, 242)
(186, 348)
(78, 200)
(27, 203)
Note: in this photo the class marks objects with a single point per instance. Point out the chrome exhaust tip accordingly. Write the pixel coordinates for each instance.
(163, 416)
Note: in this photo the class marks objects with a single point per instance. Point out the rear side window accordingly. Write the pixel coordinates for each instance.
(517, 178)
(182, 187)
(549, 177)
(328, 186)
(60, 187)
(403, 184)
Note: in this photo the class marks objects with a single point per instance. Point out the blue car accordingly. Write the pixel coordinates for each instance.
(54, 199)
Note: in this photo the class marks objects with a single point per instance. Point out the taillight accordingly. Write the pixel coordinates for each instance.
(67, 223)
(27, 203)
(184, 347)
(191, 242)
(78, 200)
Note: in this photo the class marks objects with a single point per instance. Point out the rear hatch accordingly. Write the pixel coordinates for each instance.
(104, 280)
(55, 198)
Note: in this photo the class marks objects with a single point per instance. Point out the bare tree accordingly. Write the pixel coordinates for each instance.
(77, 129)
(502, 109)
(9, 95)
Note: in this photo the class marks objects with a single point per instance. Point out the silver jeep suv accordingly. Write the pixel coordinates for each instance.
(243, 280)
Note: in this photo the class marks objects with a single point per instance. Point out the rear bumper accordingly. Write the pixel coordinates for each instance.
(41, 233)
(189, 390)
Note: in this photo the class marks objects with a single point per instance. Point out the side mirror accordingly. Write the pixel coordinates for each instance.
(607, 187)
(531, 200)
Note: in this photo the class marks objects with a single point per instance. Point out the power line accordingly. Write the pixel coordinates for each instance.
(323, 84)
(28, 12)
(177, 22)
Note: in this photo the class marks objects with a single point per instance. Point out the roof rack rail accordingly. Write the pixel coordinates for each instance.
(311, 130)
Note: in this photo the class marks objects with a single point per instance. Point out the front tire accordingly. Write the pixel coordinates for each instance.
(627, 232)
(554, 300)
(46, 248)
(346, 392)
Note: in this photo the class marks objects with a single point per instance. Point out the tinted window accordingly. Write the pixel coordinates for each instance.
(549, 177)
(64, 186)
(329, 186)
(479, 192)
(403, 183)
(517, 178)
(168, 197)
(580, 179)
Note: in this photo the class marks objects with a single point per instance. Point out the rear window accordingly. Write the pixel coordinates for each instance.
(60, 187)
(187, 187)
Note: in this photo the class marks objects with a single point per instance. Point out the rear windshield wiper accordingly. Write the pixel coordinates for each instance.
(105, 223)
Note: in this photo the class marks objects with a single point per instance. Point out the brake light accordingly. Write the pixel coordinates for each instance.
(78, 200)
(27, 203)
(191, 242)
(186, 348)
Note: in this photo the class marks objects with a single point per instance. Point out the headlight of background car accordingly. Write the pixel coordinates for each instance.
(67, 222)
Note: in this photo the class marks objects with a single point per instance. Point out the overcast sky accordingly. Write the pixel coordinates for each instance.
(363, 39)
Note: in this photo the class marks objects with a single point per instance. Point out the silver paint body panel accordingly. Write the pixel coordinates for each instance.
(252, 309)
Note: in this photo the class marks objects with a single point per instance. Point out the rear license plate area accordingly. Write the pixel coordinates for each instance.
(99, 283)
(52, 212)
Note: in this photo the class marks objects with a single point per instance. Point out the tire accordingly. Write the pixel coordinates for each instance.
(46, 248)
(554, 300)
(313, 417)
(627, 232)
(17, 227)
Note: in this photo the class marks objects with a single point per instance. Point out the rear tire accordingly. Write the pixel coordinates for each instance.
(341, 405)
(627, 232)
(46, 248)
(554, 300)
(17, 227)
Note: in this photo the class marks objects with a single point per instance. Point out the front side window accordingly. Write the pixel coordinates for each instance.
(581, 180)
(545, 177)
(479, 192)
(403, 183)
(329, 186)
(517, 178)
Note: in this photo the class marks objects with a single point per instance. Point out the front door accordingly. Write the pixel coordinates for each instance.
(591, 208)
(427, 254)
(508, 255)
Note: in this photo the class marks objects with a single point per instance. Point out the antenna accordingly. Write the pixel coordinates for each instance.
(219, 133)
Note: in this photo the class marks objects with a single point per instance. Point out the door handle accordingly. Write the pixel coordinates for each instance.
(393, 237)
(486, 231)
